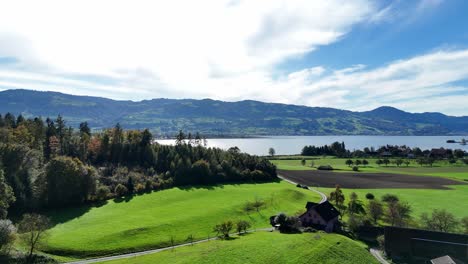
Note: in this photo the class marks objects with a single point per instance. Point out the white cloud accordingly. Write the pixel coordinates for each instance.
(407, 84)
(218, 49)
(192, 48)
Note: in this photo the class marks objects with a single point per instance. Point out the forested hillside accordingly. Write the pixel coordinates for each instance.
(165, 117)
(48, 164)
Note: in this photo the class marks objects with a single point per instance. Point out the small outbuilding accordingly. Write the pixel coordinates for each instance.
(443, 260)
(322, 216)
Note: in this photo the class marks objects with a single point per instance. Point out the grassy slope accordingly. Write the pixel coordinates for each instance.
(265, 247)
(421, 200)
(148, 221)
(440, 168)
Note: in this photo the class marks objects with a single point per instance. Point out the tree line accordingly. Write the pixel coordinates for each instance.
(393, 211)
(424, 157)
(335, 149)
(45, 163)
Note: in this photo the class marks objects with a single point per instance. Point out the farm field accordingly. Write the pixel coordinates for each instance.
(359, 180)
(150, 220)
(265, 247)
(421, 200)
(440, 168)
(442, 186)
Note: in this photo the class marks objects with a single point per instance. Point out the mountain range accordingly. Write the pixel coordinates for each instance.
(218, 118)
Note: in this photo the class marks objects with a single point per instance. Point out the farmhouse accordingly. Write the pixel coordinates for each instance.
(320, 215)
(438, 153)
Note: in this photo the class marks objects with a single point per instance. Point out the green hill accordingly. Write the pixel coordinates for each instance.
(211, 118)
(265, 247)
(150, 220)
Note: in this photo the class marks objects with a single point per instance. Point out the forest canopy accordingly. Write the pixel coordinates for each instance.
(49, 164)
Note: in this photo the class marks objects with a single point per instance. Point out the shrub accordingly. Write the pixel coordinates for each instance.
(120, 190)
(167, 183)
(370, 196)
(324, 167)
(390, 198)
(222, 230)
(140, 188)
(309, 230)
(354, 222)
(7, 235)
(259, 176)
(102, 192)
(381, 241)
(287, 224)
(156, 185)
(148, 186)
(255, 205)
(355, 168)
(242, 226)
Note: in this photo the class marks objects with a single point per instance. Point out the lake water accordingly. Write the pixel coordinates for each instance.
(288, 145)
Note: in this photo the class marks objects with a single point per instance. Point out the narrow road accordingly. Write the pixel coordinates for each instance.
(147, 252)
(136, 254)
(376, 253)
(324, 196)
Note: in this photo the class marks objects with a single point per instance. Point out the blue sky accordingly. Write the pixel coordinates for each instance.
(355, 55)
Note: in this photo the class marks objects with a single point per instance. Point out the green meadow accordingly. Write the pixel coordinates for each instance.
(265, 247)
(421, 200)
(152, 220)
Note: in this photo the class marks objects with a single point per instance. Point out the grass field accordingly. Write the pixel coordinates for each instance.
(421, 200)
(150, 220)
(265, 247)
(440, 168)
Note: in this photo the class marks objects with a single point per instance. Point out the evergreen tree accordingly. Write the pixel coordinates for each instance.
(7, 196)
(84, 129)
(130, 186)
(10, 120)
(61, 130)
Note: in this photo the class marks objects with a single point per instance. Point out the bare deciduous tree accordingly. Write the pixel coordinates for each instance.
(33, 227)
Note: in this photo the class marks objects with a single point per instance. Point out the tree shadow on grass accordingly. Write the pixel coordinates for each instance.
(230, 238)
(62, 215)
(221, 185)
(198, 187)
(126, 198)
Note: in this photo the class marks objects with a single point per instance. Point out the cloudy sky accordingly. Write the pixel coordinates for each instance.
(355, 55)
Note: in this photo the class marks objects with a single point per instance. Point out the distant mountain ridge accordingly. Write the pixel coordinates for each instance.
(218, 118)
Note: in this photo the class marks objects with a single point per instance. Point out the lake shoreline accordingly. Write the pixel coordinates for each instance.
(292, 145)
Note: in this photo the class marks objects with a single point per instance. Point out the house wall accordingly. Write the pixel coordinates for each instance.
(312, 217)
(331, 225)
